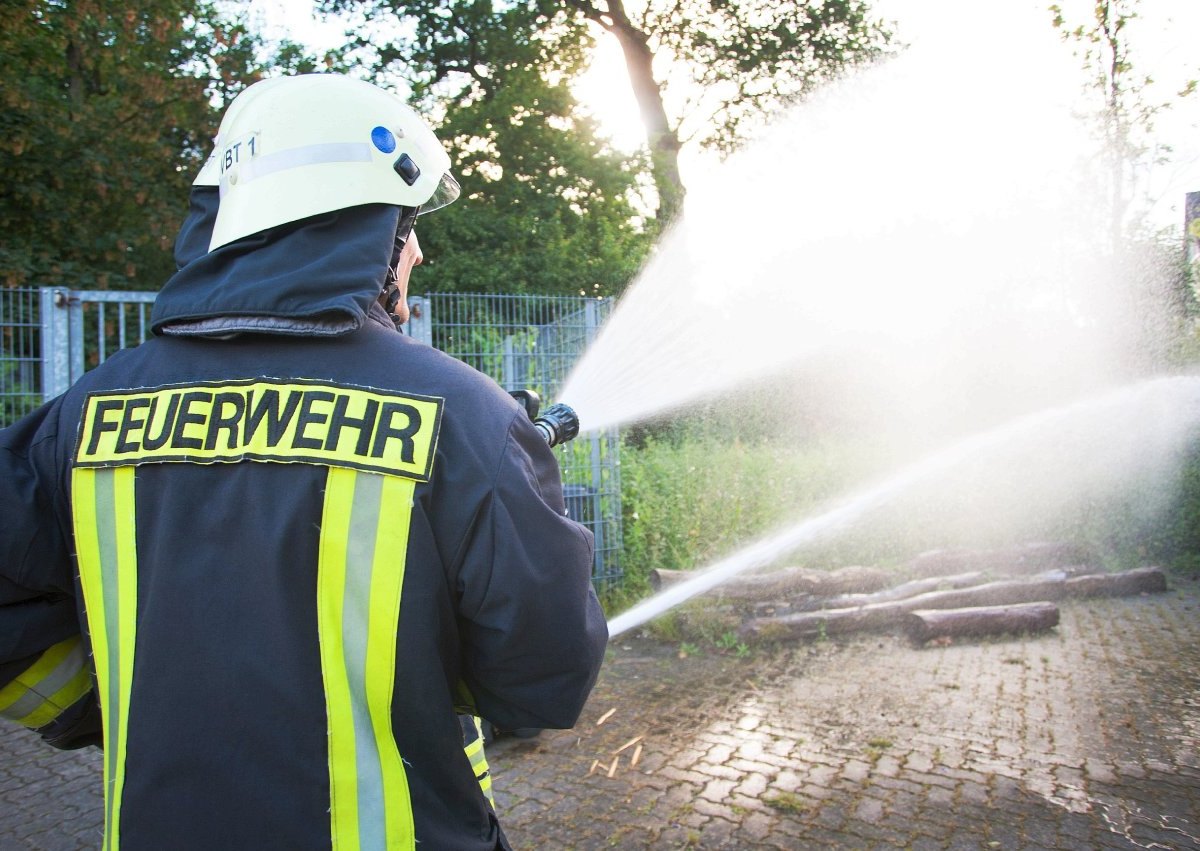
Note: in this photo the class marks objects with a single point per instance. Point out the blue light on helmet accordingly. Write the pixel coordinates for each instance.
(383, 139)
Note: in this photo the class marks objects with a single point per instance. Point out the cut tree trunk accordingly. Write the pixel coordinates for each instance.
(1140, 580)
(1048, 587)
(905, 590)
(1017, 560)
(926, 624)
(788, 582)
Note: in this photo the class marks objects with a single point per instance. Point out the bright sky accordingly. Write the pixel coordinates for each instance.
(603, 88)
(1164, 40)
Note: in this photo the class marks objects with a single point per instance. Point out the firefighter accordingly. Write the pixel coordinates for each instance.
(280, 546)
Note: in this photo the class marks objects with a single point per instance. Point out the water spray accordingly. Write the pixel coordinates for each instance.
(557, 425)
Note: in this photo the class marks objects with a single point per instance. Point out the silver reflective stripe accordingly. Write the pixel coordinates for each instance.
(267, 164)
(360, 558)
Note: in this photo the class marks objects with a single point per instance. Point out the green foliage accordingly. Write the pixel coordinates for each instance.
(545, 208)
(1128, 103)
(20, 396)
(689, 501)
(751, 59)
(108, 112)
(547, 205)
(728, 642)
(731, 64)
(694, 493)
(1174, 540)
(706, 70)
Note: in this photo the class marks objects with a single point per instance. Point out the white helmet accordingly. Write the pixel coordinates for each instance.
(293, 147)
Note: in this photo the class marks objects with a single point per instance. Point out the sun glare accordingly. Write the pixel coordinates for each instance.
(604, 91)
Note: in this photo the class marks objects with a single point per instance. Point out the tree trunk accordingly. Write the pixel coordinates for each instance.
(925, 624)
(661, 137)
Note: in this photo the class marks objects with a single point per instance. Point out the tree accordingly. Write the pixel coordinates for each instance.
(107, 113)
(701, 70)
(1146, 272)
(1125, 117)
(706, 69)
(547, 205)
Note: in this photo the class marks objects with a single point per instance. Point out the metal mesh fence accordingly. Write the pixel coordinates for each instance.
(113, 321)
(20, 353)
(527, 342)
(50, 336)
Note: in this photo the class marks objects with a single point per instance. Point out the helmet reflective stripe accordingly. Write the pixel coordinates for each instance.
(293, 147)
(331, 152)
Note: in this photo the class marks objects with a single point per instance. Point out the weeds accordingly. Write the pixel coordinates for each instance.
(730, 643)
(787, 802)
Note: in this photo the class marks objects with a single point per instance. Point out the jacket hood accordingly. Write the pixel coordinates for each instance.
(328, 268)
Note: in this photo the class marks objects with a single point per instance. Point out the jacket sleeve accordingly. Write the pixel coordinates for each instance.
(45, 673)
(533, 631)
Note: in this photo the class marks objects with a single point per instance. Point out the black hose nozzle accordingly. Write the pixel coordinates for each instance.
(529, 400)
(558, 424)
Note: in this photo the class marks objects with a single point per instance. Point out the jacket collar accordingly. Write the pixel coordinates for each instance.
(318, 275)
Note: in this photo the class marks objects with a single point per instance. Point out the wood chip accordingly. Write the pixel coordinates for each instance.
(592, 770)
(605, 716)
(637, 755)
(612, 769)
(630, 743)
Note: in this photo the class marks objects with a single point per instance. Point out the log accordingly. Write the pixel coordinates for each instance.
(780, 583)
(904, 590)
(925, 624)
(1017, 560)
(891, 614)
(1140, 580)
(1047, 587)
(788, 582)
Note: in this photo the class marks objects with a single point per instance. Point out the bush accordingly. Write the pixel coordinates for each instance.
(1175, 541)
(689, 500)
(691, 497)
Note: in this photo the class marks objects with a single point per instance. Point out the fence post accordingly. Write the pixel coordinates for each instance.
(420, 323)
(591, 320)
(55, 317)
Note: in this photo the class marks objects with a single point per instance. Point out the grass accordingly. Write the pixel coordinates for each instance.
(787, 802)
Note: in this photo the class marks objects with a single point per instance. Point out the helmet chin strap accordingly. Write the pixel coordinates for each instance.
(390, 297)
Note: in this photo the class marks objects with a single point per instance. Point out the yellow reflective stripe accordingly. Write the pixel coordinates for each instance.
(331, 587)
(479, 763)
(103, 506)
(360, 574)
(48, 687)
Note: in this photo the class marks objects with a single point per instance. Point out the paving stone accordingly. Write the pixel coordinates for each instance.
(1082, 739)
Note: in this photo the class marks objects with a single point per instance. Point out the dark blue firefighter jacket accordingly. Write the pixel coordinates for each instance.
(281, 563)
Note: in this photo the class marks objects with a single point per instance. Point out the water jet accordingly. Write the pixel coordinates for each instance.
(922, 233)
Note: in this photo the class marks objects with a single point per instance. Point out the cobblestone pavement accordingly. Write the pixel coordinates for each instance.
(1084, 738)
